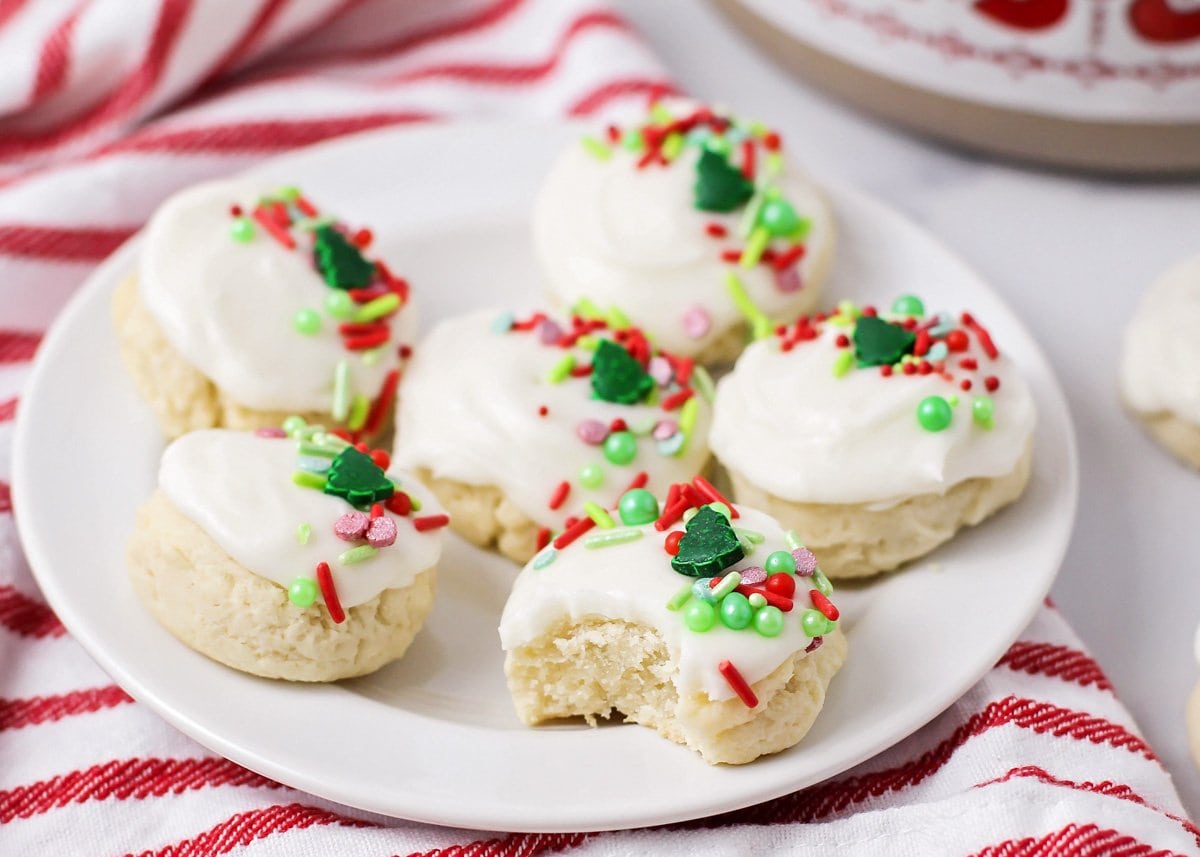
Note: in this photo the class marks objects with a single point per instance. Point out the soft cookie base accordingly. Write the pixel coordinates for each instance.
(857, 540)
(597, 666)
(183, 398)
(1180, 437)
(219, 608)
(484, 516)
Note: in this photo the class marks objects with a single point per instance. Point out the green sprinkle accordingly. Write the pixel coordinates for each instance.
(748, 547)
(339, 305)
(774, 163)
(588, 342)
(750, 216)
(543, 559)
(632, 140)
(416, 504)
(608, 538)
(703, 383)
(688, 414)
(752, 254)
(586, 308)
(672, 145)
(680, 598)
(616, 319)
(308, 480)
(562, 369)
(359, 407)
(842, 363)
(242, 230)
(729, 582)
(303, 592)
(737, 293)
(953, 400)
(318, 450)
(721, 509)
(303, 532)
(289, 193)
(597, 513)
(660, 114)
(591, 476)
(357, 554)
(372, 356)
(307, 322)
(822, 582)
(753, 536)
(293, 425)
(757, 600)
(983, 411)
(377, 308)
(793, 540)
(341, 392)
(596, 149)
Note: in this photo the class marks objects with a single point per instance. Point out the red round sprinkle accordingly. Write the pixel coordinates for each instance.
(956, 340)
(381, 458)
(965, 384)
(400, 504)
(235, 210)
(617, 425)
(885, 370)
(405, 351)
(361, 447)
(924, 367)
(362, 238)
(910, 368)
(771, 141)
(870, 311)
(842, 341)
(671, 545)
(992, 383)
(376, 510)
(782, 583)
(543, 410)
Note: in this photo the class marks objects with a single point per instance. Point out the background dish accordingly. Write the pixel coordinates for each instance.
(433, 738)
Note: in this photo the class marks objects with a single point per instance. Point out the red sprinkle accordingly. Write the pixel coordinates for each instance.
(573, 532)
(530, 323)
(580, 371)
(381, 458)
(842, 341)
(560, 494)
(716, 230)
(543, 410)
(430, 522)
(672, 495)
(671, 544)
(748, 159)
(671, 514)
(383, 401)
(364, 341)
(885, 370)
(968, 363)
(789, 257)
(353, 329)
(910, 368)
(235, 210)
(773, 598)
(965, 384)
(399, 285)
(543, 537)
(782, 583)
(362, 239)
(824, 605)
(376, 510)
(740, 687)
(709, 492)
(638, 481)
(676, 399)
(274, 229)
(992, 383)
(683, 369)
(771, 141)
(329, 593)
(924, 367)
(306, 207)
(731, 255)
(956, 340)
(921, 346)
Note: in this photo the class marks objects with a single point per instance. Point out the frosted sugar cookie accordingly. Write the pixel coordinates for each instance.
(527, 427)
(249, 304)
(718, 633)
(692, 221)
(295, 558)
(875, 435)
(1160, 364)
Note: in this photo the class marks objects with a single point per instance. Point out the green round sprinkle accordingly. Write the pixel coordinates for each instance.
(303, 592)
(953, 400)
(289, 193)
(637, 506)
(721, 509)
(339, 304)
(736, 612)
(908, 305)
(780, 561)
(293, 424)
(778, 216)
(242, 230)
(620, 447)
(983, 410)
(814, 623)
(768, 621)
(700, 615)
(307, 321)
(934, 413)
(591, 476)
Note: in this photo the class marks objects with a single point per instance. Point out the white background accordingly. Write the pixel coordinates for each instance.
(1071, 255)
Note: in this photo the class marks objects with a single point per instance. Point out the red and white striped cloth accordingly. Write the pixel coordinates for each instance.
(106, 106)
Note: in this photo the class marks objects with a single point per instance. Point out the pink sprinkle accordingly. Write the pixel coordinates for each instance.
(381, 533)
(270, 432)
(754, 574)
(696, 322)
(665, 429)
(352, 526)
(660, 370)
(788, 280)
(815, 644)
(592, 431)
(806, 563)
(549, 332)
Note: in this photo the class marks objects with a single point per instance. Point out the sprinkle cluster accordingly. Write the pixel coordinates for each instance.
(362, 300)
(329, 462)
(609, 360)
(737, 170)
(906, 341)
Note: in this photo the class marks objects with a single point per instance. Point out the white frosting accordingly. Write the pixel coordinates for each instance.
(786, 423)
(238, 488)
(1160, 369)
(614, 233)
(228, 307)
(470, 413)
(634, 581)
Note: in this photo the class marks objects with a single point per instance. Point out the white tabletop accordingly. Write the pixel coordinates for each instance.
(1071, 255)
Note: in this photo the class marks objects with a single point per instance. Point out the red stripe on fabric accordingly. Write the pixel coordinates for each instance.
(18, 346)
(55, 57)
(266, 136)
(18, 713)
(126, 779)
(8, 410)
(611, 91)
(124, 99)
(1075, 840)
(485, 17)
(8, 8)
(249, 39)
(1056, 661)
(240, 830)
(517, 845)
(61, 243)
(23, 615)
(1106, 788)
(1043, 718)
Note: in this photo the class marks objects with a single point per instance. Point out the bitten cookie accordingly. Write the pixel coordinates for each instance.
(292, 558)
(1160, 364)
(692, 221)
(718, 633)
(249, 305)
(527, 427)
(875, 435)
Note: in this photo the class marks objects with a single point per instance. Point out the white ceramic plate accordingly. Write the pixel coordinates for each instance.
(433, 737)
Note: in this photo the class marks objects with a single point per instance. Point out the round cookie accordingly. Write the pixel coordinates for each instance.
(523, 427)
(876, 436)
(249, 304)
(691, 221)
(1160, 362)
(293, 558)
(717, 633)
